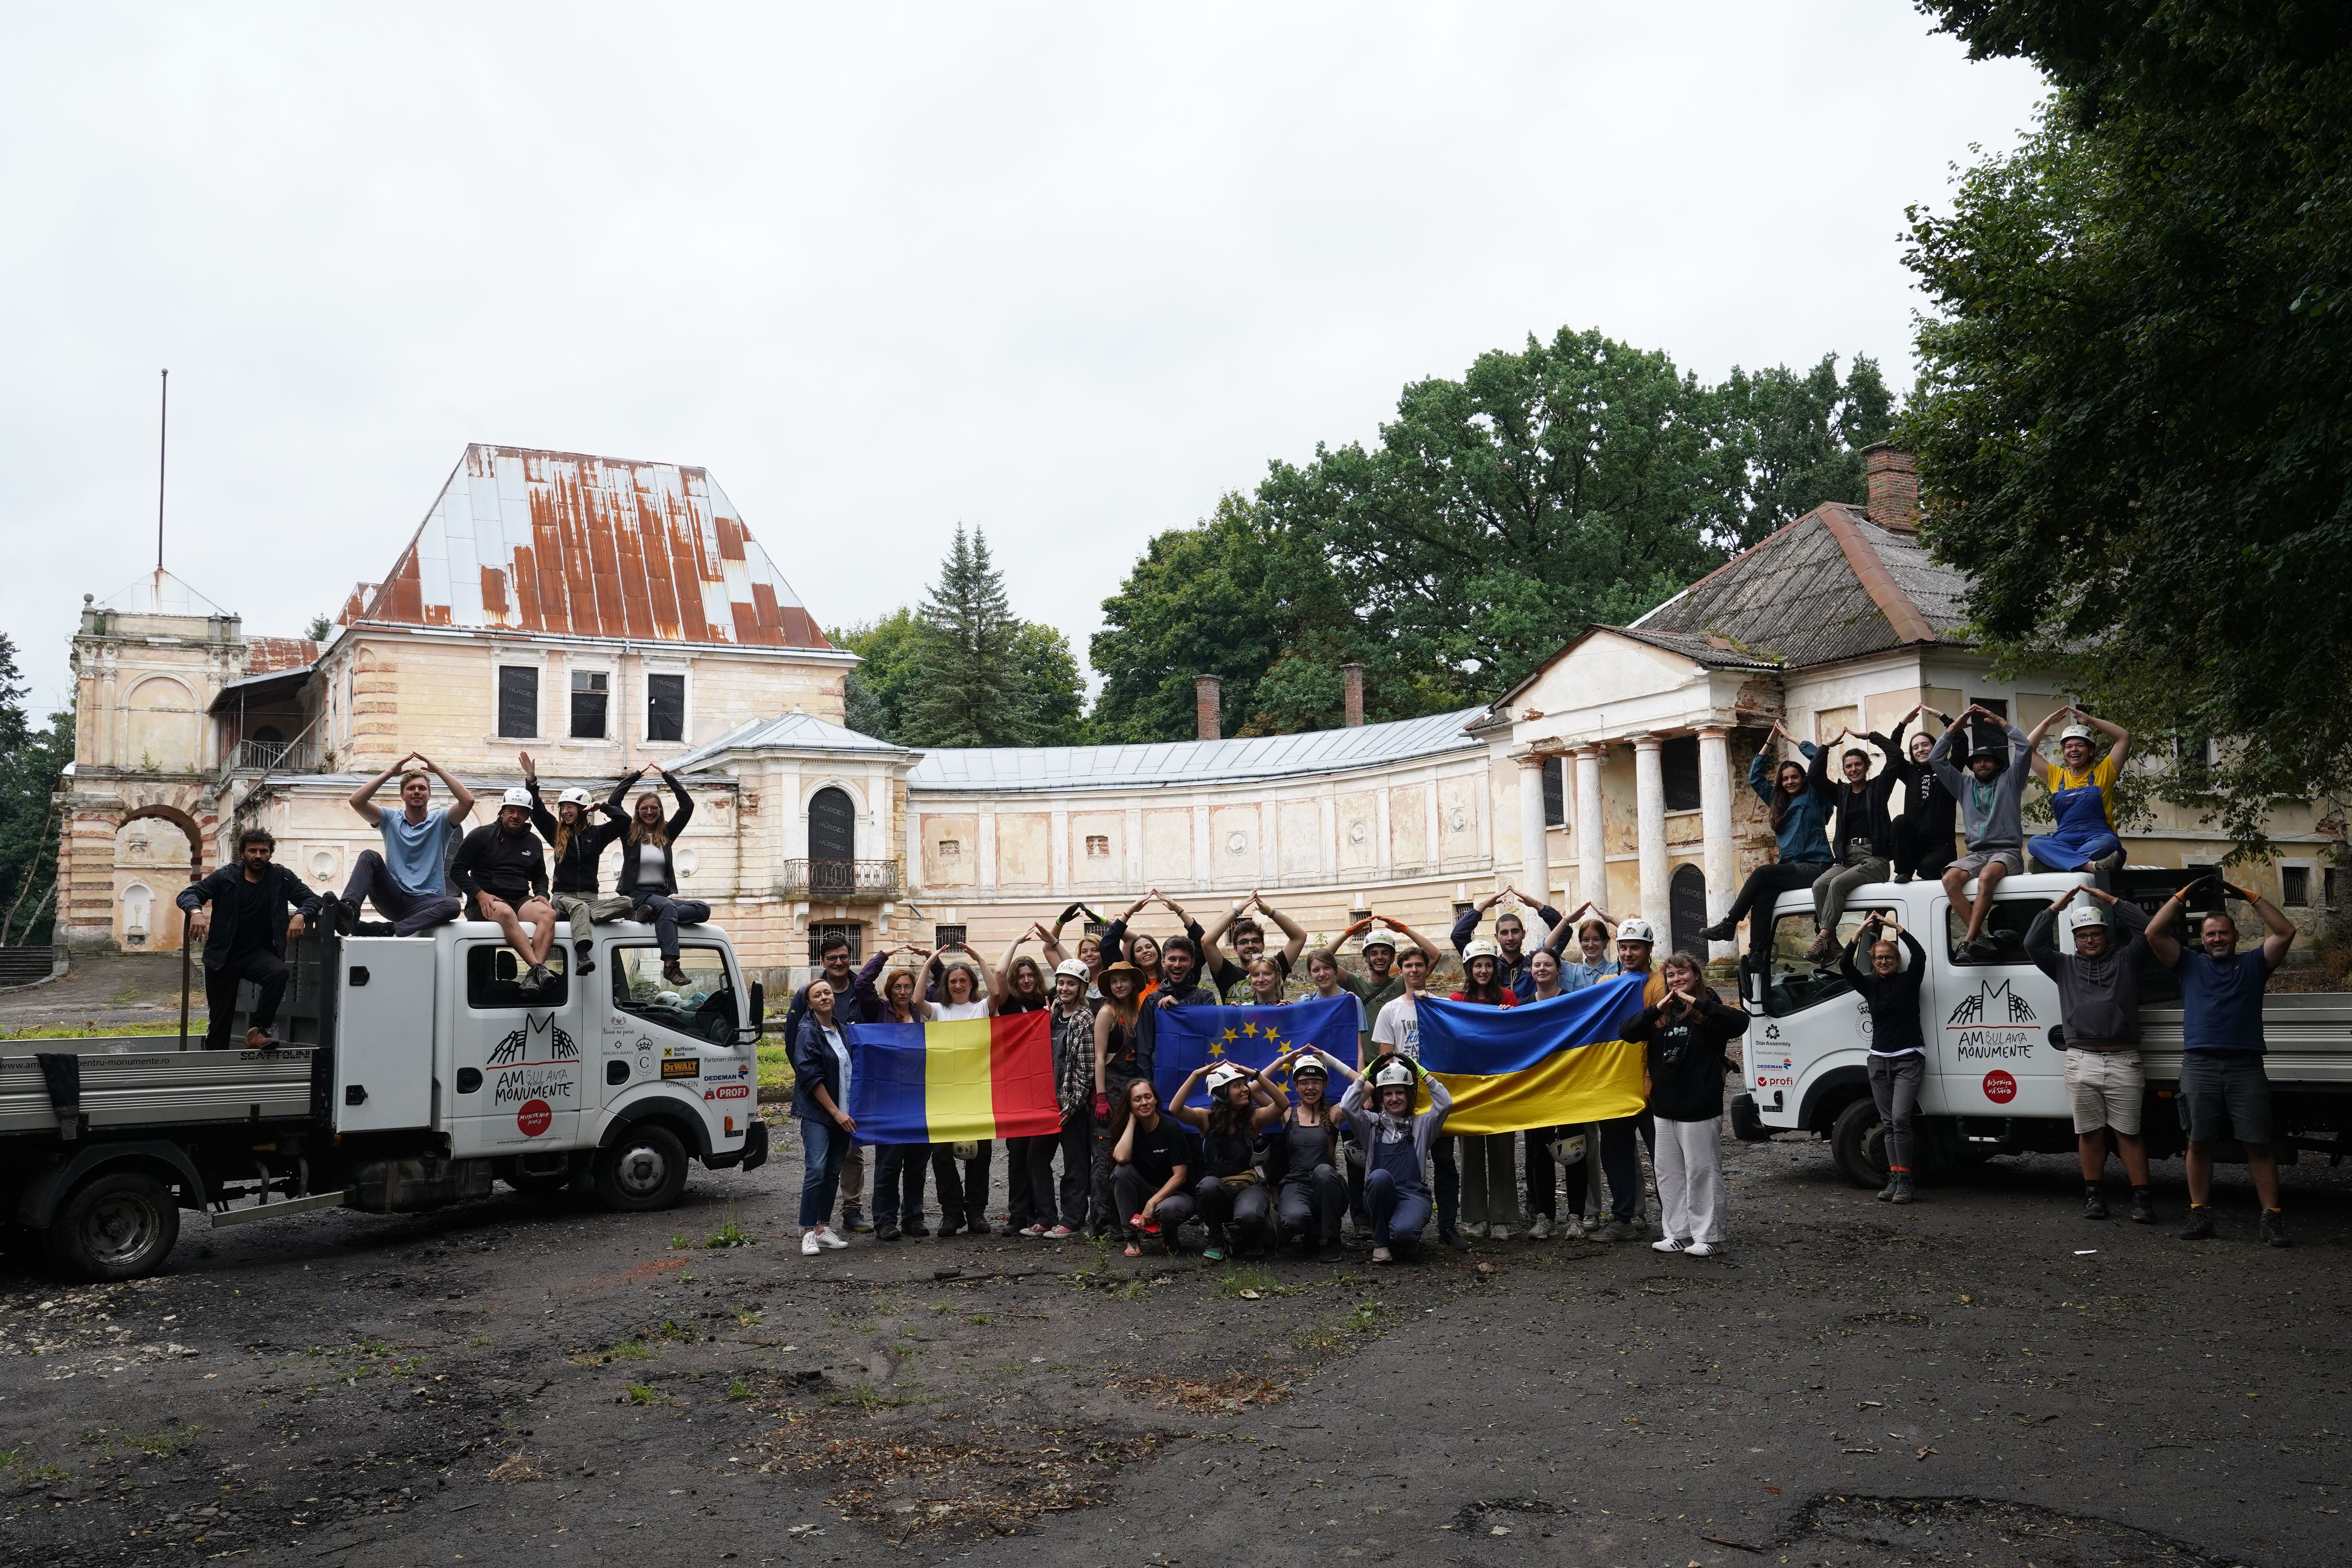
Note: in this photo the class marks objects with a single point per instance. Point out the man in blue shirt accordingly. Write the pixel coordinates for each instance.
(2224, 1090)
(408, 882)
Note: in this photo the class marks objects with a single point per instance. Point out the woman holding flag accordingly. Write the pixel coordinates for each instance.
(1546, 1173)
(820, 1099)
(1684, 1032)
(965, 985)
(1231, 1193)
(898, 1167)
(1311, 1195)
(1396, 1147)
(1488, 1176)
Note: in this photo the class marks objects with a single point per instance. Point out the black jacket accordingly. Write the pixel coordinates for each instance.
(1927, 805)
(575, 869)
(628, 884)
(1853, 815)
(491, 860)
(1894, 999)
(1686, 1056)
(225, 888)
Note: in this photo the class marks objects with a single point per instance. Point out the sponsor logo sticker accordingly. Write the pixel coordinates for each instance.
(1999, 1088)
(729, 1091)
(681, 1067)
(534, 1118)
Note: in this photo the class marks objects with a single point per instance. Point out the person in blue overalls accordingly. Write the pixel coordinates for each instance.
(1396, 1149)
(2082, 792)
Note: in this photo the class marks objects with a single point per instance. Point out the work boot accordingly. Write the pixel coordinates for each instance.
(1450, 1236)
(260, 1039)
(1825, 948)
(1887, 1192)
(643, 914)
(2094, 1201)
(1618, 1230)
(528, 982)
(2200, 1222)
(1720, 931)
(2143, 1210)
(587, 961)
(2275, 1229)
(855, 1220)
(886, 1231)
(1901, 1192)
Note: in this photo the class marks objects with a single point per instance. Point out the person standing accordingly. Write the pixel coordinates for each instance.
(1510, 942)
(1546, 1171)
(1074, 1092)
(1021, 987)
(1988, 797)
(1230, 976)
(2098, 1008)
(964, 986)
(1923, 834)
(1862, 835)
(1898, 1050)
(853, 997)
(575, 850)
(240, 917)
(820, 1077)
(648, 877)
(409, 881)
(1118, 1062)
(1382, 981)
(2224, 1088)
(1489, 1183)
(2081, 794)
(1636, 939)
(899, 1168)
(1800, 820)
(1330, 983)
(502, 871)
(1684, 1036)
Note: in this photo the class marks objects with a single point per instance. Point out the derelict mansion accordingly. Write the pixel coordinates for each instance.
(603, 615)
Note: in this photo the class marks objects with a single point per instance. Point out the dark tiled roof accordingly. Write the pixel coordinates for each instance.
(1695, 648)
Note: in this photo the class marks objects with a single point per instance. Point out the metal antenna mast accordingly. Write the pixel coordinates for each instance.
(162, 436)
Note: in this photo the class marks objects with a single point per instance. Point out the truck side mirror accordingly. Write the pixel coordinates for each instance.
(756, 1021)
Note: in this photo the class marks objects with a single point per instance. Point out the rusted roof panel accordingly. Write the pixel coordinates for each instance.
(570, 544)
(265, 656)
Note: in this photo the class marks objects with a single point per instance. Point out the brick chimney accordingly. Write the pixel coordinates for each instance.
(1206, 691)
(1352, 677)
(1890, 482)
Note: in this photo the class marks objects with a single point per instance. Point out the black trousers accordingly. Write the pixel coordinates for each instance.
(1029, 1181)
(1622, 1167)
(1309, 1209)
(898, 1184)
(963, 1194)
(268, 973)
(1920, 854)
(1129, 1188)
(1238, 1213)
(1080, 1208)
(1763, 889)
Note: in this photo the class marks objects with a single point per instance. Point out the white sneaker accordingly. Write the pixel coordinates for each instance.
(1667, 1243)
(1501, 1232)
(1541, 1229)
(810, 1245)
(826, 1237)
(1381, 1255)
(1574, 1229)
(1033, 1230)
(1469, 1230)
(1700, 1249)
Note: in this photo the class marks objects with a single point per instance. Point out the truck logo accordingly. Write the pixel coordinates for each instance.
(1771, 1031)
(1999, 1088)
(534, 1118)
(681, 1067)
(1993, 1003)
(538, 1040)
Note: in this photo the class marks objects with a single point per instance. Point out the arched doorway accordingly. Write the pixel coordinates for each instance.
(832, 841)
(1686, 908)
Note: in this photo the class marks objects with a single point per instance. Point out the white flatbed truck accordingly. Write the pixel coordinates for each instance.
(1996, 1061)
(416, 1073)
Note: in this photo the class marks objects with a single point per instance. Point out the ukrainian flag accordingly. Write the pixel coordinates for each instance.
(1539, 1064)
(944, 1083)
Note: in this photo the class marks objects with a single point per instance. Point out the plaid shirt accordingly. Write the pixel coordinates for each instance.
(1073, 1057)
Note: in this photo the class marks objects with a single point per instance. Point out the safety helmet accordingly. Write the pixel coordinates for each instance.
(1305, 1066)
(1222, 1074)
(1396, 1075)
(1638, 930)
(1071, 968)
(520, 797)
(2074, 732)
(2076, 919)
(1377, 937)
(575, 795)
(1481, 948)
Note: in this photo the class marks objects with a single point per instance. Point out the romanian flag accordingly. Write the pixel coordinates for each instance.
(944, 1083)
(1185, 1039)
(1539, 1064)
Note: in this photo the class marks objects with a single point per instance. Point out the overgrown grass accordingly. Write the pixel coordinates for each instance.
(98, 1032)
(775, 1068)
(1259, 1279)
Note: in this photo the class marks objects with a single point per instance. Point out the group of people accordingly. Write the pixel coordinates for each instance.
(1271, 1161)
(245, 913)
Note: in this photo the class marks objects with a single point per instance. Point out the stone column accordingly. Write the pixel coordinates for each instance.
(1591, 851)
(1722, 865)
(1650, 819)
(1535, 856)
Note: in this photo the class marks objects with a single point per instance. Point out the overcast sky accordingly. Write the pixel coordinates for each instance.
(1067, 273)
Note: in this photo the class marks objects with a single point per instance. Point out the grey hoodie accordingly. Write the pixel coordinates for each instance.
(2098, 998)
(1988, 812)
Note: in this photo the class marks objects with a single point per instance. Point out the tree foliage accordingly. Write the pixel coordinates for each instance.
(875, 692)
(1564, 483)
(30, 760)
(2134, 418)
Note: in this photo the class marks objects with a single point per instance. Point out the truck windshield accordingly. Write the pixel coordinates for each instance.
(2004, 927)
(705, 1006)
(1796, 982)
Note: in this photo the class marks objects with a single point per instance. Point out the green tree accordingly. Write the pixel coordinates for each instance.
(320, 629)
(969, 689)
(30, 761)
(1058, 693)
(875, 692)
(1802, 437)
(2135, 413)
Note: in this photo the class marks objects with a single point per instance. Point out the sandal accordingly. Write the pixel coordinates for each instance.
(1132, 1250)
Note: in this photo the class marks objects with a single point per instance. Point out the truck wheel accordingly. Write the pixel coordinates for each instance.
(1858, 1145)
(117, 1225)
(644, 1170)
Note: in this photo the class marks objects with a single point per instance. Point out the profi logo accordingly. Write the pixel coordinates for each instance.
(1993, 1003)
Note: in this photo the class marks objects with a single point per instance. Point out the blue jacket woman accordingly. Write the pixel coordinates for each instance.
(1801, 829)
(821, 1082)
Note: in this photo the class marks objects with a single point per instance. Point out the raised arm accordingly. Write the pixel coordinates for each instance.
(1177, 1106)
(1294, 935)
(2278, 930)
(362, 799)
(1412, 936)
(461, 799)
(2160, 939)
(2034, 742)
(685, 813)
(2116, 733)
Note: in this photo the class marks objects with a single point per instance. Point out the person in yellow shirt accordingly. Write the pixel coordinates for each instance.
(2080, 792)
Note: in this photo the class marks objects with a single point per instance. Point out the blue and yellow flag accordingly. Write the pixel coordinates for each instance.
(943, 1083)
(1539, 1064)
(1186, 1039)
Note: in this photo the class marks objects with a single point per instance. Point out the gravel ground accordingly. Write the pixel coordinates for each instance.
(1983, 1379)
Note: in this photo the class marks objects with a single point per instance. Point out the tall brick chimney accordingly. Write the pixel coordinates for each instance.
(1890, 482)
(1207, 689)
(1352, 677)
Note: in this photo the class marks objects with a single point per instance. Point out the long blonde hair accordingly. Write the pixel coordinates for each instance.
(659, 833)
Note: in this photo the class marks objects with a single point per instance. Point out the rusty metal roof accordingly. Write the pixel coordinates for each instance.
(573, 545)
(265, 656)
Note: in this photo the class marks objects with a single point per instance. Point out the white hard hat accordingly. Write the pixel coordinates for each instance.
(1071, 969)
(520, 797)
(1396, 1075)
(1638, 930)
(1481, 948)
(2074, 732)
(666, 998)
(1222, 1074)
(2076, 919)
(575, 795)
(1379, 937)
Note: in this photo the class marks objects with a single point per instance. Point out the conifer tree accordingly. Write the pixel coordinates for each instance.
(970, 687)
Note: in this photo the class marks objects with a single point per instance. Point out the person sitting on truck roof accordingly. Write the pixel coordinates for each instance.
(821, 1081)
(1862, 834)
(1898, 1050)
(502, 871)
(1684, 1036)
(408, 882)
(2081, 794)
(649, 869)
(1923, 834)
(577, 846)
(2098, 1008)
(1799, 821)
(1988, 794)
(240, 917)
(2224, 1089)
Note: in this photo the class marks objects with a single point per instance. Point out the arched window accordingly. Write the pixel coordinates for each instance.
(1686, 908)
(832, 841)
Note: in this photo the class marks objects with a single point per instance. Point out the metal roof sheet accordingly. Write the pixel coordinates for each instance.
(576, 545)
(1009, 769)
(265, 655)
(791, 732)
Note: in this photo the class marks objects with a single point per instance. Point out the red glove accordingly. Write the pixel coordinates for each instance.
(1102, 1107)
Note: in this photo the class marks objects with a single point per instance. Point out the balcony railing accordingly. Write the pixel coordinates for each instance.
(840, 882)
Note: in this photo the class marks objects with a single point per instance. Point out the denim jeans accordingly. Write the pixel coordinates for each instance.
(671, 914)
(823, 1144)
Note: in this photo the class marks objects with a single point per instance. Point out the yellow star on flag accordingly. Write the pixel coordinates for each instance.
(1271, 1037)
(1231, 1036)
(1249, 1028)
(1217, 1048)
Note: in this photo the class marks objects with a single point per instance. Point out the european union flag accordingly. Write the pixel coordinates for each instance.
(1189, 1038)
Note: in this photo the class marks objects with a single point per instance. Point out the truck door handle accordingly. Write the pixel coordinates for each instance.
(616, 1073)
(468, 1079)
(359, 974)
(355, 1094)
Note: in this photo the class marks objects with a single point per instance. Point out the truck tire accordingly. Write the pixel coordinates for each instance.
(119, 1225)
(1858, 1145)
(644, 1170)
